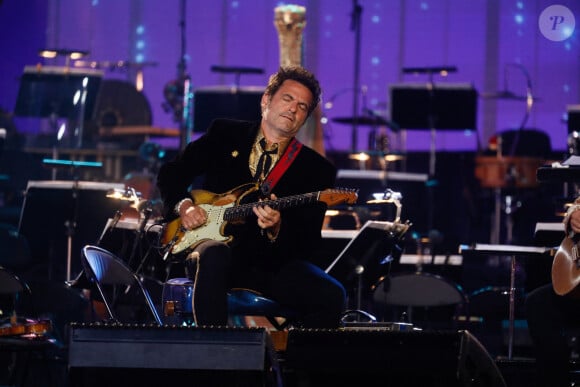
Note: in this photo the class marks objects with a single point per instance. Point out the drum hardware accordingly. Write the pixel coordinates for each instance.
(506, 94)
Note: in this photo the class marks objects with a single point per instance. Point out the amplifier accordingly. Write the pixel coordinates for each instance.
(128, 346)
(98, 353)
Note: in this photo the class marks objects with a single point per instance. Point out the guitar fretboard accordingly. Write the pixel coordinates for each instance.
(243, 210)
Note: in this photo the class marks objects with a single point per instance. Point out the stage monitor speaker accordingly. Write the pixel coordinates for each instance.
(365, 356)
(127, 355)
(53, 210)
(241, 103)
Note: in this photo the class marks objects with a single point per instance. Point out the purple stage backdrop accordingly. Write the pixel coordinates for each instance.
(494, 45)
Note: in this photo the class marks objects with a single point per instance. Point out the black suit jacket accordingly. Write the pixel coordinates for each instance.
(219, 161)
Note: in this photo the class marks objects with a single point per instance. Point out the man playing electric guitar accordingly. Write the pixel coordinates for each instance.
(553, 308)
(269, 250)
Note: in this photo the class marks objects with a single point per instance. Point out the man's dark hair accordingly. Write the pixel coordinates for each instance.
(298, 74)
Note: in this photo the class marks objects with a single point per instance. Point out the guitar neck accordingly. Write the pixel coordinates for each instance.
(243, 210)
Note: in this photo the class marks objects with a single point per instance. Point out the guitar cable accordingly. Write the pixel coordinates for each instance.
(194, 256)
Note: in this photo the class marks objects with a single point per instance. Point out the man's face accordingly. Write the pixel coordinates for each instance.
(285, 112)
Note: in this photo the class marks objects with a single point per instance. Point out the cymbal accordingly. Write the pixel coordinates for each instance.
(505, 94)
(363, 120)
(114, 65)
(366, 155)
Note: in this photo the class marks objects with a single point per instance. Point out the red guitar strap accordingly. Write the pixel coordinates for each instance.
(281, 166)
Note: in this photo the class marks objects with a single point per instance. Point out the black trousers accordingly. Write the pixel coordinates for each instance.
(549, 316)
(317, 298)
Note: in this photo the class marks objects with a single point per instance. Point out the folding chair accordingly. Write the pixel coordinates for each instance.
(109, 273)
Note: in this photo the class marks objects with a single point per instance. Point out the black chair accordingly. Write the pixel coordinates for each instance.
(420, 290)
(114, 280)
(12, 288)
(248, 302)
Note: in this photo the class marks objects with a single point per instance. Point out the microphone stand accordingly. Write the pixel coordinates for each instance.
(147, 211)
(355, 25)
(71, 225)
(111, 224)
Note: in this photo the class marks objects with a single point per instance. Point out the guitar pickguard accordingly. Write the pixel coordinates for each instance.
(212, 229)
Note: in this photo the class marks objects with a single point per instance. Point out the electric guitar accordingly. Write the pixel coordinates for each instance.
(566, 267)
(227, 208)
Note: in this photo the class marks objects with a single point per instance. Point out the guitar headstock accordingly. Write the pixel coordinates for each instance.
(336, 196)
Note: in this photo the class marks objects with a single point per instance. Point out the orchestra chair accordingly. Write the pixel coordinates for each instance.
(14, 249)
(242, 302)
(114, 279)
(420, 290)
(25, 347)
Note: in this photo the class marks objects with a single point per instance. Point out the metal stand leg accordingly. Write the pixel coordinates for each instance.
(496, 226)
(512, 307)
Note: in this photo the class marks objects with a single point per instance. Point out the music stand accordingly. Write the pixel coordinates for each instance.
(58, 92)
(429, 106)
(359, 265)
(242, 103)
(512, 251)
(72, 213)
